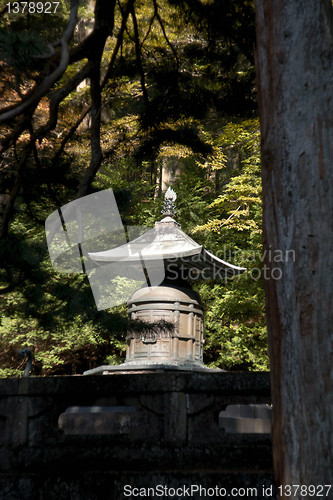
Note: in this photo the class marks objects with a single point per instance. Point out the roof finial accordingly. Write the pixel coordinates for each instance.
(169, 207)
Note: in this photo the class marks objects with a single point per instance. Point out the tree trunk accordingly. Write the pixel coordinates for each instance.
(295, 77)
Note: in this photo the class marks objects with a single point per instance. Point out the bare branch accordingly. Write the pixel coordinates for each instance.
(125, 14)
(15, 189)
(10, 139)
(164, 33)
(92, 47)
(34, 148)
(55, 101)
(60, 95)
(95, 131)
(40, 90)
(149, 28)
(70, 133)
(3, 12)
(138, 57)
(103, 28)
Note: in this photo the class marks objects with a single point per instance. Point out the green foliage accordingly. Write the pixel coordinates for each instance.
(187, 119)
(10, 372)
(235, 321)
(19, 50)
(51, 313)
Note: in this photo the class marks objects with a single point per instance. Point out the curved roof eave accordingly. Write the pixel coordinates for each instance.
(166, 241)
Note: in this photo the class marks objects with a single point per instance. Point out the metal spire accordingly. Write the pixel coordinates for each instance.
(169, 206)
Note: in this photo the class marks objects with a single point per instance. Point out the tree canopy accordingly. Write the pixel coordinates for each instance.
(132, 95)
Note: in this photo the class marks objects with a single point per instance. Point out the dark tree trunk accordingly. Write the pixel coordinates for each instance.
(104, 23)
(295, 79)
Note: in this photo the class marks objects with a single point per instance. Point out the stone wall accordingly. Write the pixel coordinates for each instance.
(87, 437)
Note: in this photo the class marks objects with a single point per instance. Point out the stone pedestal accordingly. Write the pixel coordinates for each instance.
(167, 331)
(175, 326)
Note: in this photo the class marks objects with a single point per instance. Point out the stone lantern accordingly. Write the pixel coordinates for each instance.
(169, 315)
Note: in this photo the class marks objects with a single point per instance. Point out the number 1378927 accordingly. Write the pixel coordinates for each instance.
(32, 7)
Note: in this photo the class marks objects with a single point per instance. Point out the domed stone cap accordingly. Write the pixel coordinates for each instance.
(167, 290)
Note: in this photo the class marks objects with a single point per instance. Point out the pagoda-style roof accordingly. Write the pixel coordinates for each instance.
(167, 241)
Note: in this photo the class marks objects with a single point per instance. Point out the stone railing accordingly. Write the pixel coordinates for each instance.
(129, 428)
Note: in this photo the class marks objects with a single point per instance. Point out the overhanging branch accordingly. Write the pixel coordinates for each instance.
(41, 90)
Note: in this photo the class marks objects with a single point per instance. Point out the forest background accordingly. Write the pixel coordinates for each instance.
(152, 93)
